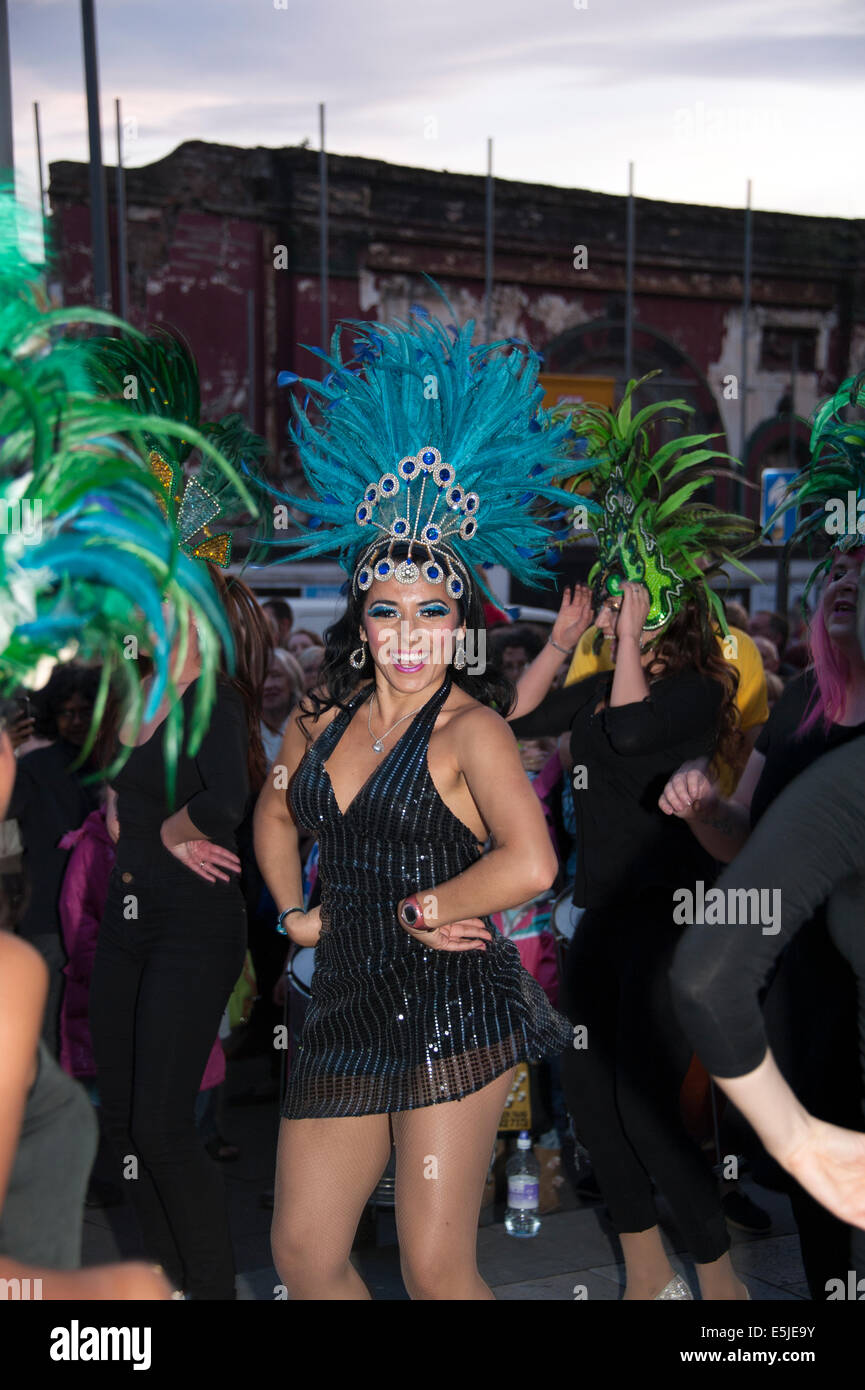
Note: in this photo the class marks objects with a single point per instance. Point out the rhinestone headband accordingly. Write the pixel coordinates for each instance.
(382, 508)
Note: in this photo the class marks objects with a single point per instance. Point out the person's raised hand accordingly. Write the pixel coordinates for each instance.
(636, 602)
(574, 617)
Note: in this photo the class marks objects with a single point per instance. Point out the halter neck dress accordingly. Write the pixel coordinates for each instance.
(393, 1024)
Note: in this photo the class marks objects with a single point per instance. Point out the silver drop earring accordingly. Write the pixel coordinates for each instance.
(460, 655)
(357, 659)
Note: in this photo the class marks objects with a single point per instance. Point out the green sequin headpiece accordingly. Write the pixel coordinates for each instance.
(651, 530)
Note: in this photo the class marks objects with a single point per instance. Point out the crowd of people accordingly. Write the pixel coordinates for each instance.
(614, 761)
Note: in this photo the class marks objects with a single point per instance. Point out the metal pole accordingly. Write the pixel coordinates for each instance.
(488, 247)
(629, 280)
(322, 186)
(121, 220)
(7, 151)
(250, 358)
(781, 584)
(42, 207)
(743, 371)
(98, 203)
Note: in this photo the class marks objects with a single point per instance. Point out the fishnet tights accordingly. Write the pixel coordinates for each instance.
(327, 1170)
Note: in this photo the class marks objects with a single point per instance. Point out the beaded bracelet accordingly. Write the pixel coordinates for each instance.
(287, 913)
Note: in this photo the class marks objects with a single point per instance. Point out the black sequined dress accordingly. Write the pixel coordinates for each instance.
(393, 1024)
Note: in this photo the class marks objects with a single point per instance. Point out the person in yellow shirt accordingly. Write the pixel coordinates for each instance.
(751, 697)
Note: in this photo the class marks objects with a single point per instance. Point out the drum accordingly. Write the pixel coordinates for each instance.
(564, 920)
(299, 973)
(565, 916)
(300, 970)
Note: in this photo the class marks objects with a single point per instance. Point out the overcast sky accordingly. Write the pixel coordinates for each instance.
(700, 94)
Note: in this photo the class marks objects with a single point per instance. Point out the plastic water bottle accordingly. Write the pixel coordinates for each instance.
(523, 1175)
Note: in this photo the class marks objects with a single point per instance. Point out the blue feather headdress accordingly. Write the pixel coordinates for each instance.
(423, 439)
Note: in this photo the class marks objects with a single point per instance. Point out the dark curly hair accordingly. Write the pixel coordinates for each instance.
(338, 680)
(689, 642)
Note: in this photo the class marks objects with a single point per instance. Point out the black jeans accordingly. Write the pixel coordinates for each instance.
(170, 951)
(623, 1087)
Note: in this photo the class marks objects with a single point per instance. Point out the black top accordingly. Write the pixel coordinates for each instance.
(624, 840)
(47, 801)
(788, 754)
(806, 845)
(213, 786)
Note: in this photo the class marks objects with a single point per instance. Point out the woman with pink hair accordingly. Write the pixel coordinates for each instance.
(810, 1006)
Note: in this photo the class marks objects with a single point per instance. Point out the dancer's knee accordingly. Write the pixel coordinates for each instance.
(431, 1271)
(305, 1259)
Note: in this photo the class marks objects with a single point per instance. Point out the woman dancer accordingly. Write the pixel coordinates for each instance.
(173, 936)
(670, 689)
(420, 1009)
(810, 1005)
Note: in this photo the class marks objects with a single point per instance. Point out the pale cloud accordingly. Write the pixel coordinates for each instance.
(700, 96)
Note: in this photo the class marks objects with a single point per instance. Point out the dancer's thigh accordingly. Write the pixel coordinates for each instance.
(442, 1159)
(326, 1171)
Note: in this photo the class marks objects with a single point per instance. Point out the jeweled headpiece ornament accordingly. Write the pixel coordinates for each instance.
(425, 442)
(832, 482)
(649, 529)
(165, 378)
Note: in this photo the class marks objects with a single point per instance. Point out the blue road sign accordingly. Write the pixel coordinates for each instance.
(773, 486)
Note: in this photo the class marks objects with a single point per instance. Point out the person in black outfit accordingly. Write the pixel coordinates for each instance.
(810, 1003)
(47, 801)
(810, 846)
(171, 947)
(628, 728)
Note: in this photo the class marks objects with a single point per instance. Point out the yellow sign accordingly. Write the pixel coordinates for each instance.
(561, 389)
(517, 1113)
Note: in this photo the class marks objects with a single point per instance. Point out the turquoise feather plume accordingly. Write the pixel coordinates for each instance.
(411, 385)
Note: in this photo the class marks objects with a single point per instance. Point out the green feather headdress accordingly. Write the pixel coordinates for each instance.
(652, 527)
(832, 484)
(86, 558)
(421, 438)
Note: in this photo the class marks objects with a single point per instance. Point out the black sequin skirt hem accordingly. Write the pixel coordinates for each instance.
(454, 1078)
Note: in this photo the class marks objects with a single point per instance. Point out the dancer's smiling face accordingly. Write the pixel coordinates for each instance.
(412, 630)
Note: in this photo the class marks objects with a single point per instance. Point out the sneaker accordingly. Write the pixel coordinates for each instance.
(745, 1215)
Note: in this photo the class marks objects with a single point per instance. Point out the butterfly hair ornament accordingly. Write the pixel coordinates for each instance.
(426, 458)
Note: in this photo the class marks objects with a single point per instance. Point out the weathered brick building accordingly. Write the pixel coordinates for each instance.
(221, 237)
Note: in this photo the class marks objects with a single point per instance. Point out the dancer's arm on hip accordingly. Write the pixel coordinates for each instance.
(522, 862)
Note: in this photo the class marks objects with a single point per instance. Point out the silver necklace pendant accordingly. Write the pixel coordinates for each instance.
(377, 746)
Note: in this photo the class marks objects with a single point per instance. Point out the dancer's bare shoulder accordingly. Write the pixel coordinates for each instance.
(469, 722)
